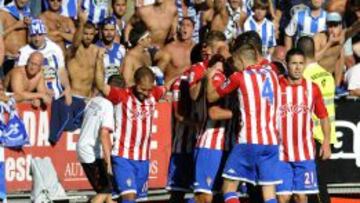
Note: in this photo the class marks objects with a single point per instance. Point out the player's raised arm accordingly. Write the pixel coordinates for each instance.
(99, 74)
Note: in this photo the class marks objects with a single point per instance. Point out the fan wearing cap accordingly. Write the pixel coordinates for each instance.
(329, 44)
(114, 52)
(139, 54)
(14, 18)
(61, 28)
(54, 70)
(55, 74)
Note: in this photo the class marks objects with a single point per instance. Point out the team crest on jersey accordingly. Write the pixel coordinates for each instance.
(323, 83)
(128, 182)
(209, 181)
(225, 84)
(49, 73)
(232, 171)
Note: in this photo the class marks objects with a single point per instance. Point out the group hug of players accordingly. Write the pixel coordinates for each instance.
(236, 120)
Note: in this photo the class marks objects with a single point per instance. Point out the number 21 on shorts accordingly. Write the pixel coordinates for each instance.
(267, 91)
(309, 178)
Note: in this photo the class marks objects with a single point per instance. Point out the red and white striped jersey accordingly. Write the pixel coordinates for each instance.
(133, 122)
(258, 91)
(217, 134)
(183, 138)
(298, 102)
(197, 72)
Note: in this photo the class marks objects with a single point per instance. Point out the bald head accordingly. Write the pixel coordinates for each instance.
(34, 63)
(279, 54)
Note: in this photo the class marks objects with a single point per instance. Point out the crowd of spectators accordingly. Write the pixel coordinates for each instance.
(65, 24)
(51, 51)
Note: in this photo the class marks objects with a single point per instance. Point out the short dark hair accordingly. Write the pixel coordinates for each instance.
(247, 50)
(213, 36)
(261, 4)
(143, 72)
(249, 37)
(117, 81)
(136, 33)
(114, 1)
(292, 52)
(89, 25)
(189, 19)
(306, 44)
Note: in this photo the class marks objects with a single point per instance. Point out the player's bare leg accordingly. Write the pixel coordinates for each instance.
(268, 192)
(300, 198)
(283, 198)
(99, 198)
(131, 197)
(229, 190)
(203, 198)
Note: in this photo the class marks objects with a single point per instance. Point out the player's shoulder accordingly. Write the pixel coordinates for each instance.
(106, 104)
(199, 65)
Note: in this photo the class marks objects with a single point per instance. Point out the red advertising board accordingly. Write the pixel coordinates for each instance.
(63, 155)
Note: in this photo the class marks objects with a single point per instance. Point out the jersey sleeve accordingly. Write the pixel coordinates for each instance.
(195, 75)
(175, 90)
(218, 79)
(108, 116)
(319, 105)
(229, 85)
(23, 57)
(291, 29)
(158, 92)
(272, 40)
(352, 78)
(60, 57)
(117, 95)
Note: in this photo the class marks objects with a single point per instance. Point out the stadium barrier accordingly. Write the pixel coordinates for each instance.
(63, 154)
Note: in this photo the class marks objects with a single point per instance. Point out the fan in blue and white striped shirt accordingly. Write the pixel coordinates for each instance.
(263, 26)
(98, 10)
(68, 7)
(306, 22)
(115, 52)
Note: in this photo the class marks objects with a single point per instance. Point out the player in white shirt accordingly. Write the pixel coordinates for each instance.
(94, 145)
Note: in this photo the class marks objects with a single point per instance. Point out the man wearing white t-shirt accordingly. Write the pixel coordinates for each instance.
(352, 80)
(66, 110)
(55, 74)
(94, 146)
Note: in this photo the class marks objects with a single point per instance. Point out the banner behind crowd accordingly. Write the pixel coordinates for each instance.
(343, 168)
